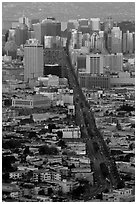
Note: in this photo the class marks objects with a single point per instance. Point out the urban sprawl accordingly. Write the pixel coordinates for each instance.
(68, 111)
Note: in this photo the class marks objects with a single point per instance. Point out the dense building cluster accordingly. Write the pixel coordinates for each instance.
(44, 154)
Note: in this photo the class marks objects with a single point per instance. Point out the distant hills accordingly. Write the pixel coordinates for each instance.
(64, 11)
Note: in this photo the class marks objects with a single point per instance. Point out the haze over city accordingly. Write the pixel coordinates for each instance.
(68, 102)
(64, 11)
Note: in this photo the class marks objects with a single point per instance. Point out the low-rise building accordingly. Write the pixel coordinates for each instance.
(32, 101)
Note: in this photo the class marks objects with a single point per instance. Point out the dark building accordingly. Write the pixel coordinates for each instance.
(21, 34)
(108, 40)
(53, 69)
(109, 23)
(56, 56)
(48, 27)
(94, 81)
(84, 29)
(81, 62)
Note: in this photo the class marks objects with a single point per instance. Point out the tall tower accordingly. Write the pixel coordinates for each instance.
(94, 24)
(109, 23)
(94, 64)
(116, 40)
(48, 27)
(33, 59)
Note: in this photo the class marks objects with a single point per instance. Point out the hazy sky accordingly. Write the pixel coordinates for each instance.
(64, 11)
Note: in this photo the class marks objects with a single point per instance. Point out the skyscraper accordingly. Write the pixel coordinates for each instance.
(94, 24)
(21, 34)
(94, 64)
(113, 62)
(47, 27)
(24, 20)
(116, 40)
(109, 23)
(124, 43)
(33, 59)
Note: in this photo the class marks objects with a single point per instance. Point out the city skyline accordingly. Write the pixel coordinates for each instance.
(63, 11)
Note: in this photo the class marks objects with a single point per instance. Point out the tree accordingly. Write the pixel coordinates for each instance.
(26, 151)
(45, 149)
(60, 134)
(10, 46)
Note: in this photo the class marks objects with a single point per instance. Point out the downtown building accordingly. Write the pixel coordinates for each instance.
(48, 27)
(94, 64)
(33, 59)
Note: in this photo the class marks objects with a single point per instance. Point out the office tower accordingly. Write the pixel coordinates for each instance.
(133, 42)
(94, 64)
(31, 34)
(108, 40)
(94, 38)
(47, 27)
(108, 23)
(116, 40)
(21, 34)
(72, 24)
(84, 29)
(51, 27)
(52, 42)
(33, 21)
(24, 20)
(76, 39)
(85, 38)
(130, 43)
(124, 43)
(11, 34)
(81, 62)
(83, 22)
(101, 42)
(94, 24)
(33, 59)
(113, 62)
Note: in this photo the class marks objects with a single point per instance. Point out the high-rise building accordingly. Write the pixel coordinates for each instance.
(52, 42)
(11, 34)
(94, 24)
(21, 34)
(94, 64)
(109, 23)
(94, 38)
(116, 40)
(33, 59)
(24, 20)
(47, 27)
(81, 62)
(133, 42)
(130, 43)
(124, 43)
(76, 39)
(72, 24)
(108, 40)
(83, 22)
(113, 62)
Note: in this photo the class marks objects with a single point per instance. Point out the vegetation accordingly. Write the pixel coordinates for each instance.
(49, 150)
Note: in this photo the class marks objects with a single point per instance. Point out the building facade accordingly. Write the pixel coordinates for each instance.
(94, 64)
(33, 60)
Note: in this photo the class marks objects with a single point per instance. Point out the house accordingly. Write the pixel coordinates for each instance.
(11, 190)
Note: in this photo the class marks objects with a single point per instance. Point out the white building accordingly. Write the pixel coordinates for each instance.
(71, 132)
(50, 80)
(94, 24)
